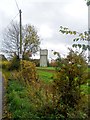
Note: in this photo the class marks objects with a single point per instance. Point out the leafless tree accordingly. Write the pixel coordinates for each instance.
(11, 42)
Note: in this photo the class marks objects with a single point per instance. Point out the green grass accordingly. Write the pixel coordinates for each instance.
(88, 69)
(46, 68)
(45, 74)
(18, 104)
(6, 73)
(18, 101)
(86, 89)
(47, 77)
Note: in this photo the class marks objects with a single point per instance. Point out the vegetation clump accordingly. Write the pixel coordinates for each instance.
(14, 63)
(27, 72)
(70, 76)
(62, 98)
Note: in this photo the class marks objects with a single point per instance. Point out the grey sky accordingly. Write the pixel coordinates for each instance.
(47, 16)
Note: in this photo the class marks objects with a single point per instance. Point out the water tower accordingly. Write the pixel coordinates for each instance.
(43, 58)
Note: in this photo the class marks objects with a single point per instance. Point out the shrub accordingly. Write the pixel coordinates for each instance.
(36, 61)
(4, 64)
(26, 56)
(15, 63)
(70, 76)
(28, 102)
(27, 72)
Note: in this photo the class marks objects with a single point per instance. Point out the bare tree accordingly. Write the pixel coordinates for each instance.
(11, 39)
(11, 42)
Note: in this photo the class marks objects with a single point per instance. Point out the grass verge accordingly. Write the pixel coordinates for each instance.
(18, 102)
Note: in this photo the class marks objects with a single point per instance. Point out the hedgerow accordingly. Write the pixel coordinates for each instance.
(70, 76)
(63, 99)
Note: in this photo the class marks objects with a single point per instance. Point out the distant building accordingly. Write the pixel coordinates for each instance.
(43, 58)
(2, 57)
(53, 63)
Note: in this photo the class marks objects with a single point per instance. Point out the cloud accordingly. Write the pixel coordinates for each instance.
(45, 31)
(47, 16)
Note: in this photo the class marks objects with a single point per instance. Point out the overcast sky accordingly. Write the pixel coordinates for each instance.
(47, 16)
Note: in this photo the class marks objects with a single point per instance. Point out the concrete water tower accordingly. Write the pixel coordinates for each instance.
(43, 57)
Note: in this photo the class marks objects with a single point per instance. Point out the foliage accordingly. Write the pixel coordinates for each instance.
(63, 98)
(70, 76)
(5, 74)
(14, 63)
(27, 72)
(53, 63)
(26, 56)
(88, 2)
(30, 40)
(36, 61)
(19, 105)
(35, 101)
(25, 102)
(5, 64)
(81, 37)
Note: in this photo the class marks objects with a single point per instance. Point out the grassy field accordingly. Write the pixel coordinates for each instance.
(45, 76)
(46, 73)
(46, 68)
